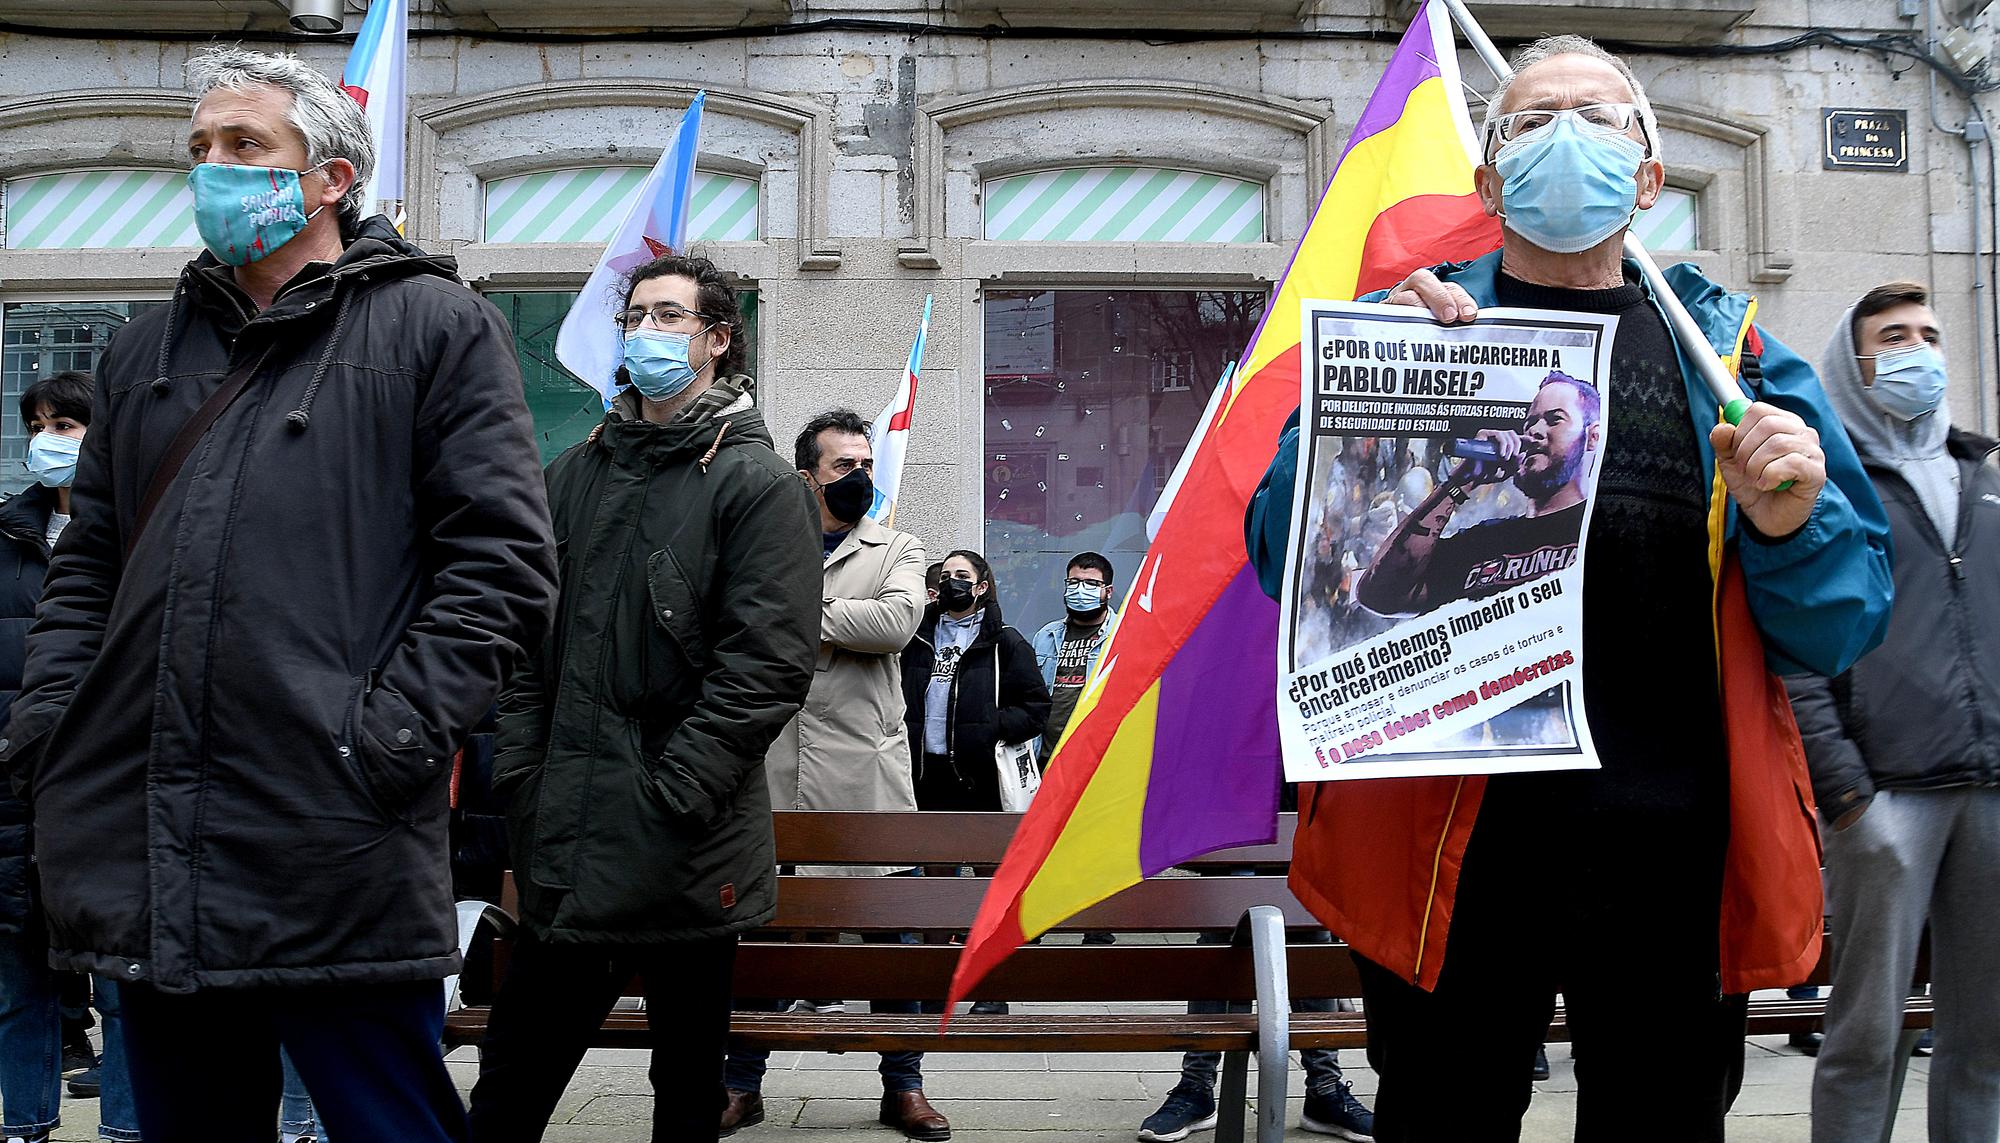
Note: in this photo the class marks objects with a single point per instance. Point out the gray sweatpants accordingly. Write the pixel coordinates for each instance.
(1914, 855)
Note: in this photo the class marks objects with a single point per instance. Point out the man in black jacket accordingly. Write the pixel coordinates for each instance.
(254, 660)
(1905, 746)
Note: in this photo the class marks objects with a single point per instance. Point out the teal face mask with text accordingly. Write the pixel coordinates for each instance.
(244, 213)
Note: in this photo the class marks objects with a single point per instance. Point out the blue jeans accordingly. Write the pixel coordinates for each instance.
(30, 1035)
(1322, 1065)
(205, 1064)
(296, 1115)
(117, 1117)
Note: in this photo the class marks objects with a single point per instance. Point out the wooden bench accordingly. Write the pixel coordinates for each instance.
(1271, 957)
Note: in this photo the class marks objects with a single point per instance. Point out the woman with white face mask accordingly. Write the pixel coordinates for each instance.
(56, 413)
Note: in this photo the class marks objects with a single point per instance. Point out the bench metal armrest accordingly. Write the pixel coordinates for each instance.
(1265, 926)
(470, 914)
(1274, 1018)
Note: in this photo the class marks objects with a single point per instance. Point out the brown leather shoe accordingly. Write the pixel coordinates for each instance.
(746, 1109)
(913, 1115)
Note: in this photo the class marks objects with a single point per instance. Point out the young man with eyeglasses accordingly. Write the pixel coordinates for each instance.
(631, 746)
(1067, 649)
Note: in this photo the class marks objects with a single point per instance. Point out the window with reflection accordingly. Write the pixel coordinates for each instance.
(1090, 397)
(564, 408)
(37, 340)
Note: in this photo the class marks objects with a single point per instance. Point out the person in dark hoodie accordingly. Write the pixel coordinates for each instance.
(308, 538)
(631, 749)
(1904, 746)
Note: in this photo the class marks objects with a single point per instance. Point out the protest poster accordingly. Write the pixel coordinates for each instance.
(1431, 617)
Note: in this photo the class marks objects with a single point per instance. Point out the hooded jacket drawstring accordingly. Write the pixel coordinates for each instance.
(708, 457)
(298, 418)
(162, 386)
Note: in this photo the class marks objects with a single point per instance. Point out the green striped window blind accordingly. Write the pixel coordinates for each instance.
(1670, 224)
(585, 204)
(1124, 204)
(98, 209)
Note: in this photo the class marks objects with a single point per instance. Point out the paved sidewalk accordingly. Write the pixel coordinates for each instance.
(1059, 1098)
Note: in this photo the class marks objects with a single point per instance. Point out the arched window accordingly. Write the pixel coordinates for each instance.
(585, 204)
(100, 209)
(1123, 204)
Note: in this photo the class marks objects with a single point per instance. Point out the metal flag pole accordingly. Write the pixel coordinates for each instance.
(1694, 343)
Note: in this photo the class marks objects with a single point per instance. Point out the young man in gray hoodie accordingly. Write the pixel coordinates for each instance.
(1905, 747)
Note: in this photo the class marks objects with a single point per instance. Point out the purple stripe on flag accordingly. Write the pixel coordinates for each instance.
(1216, 766)
(1414, 62)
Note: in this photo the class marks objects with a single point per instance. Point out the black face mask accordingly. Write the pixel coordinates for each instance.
(954, 594)
(849, 498)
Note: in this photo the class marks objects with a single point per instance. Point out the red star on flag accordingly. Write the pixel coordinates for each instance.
(659, 248)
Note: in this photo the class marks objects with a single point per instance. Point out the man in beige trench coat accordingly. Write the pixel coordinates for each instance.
(846, 750)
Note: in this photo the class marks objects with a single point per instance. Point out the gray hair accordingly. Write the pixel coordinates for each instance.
(1549, 47)
(331, 122)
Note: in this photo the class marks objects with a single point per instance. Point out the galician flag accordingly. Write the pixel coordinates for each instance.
(374, 77)
(1173, 750)
(589, 344)
(891, 431)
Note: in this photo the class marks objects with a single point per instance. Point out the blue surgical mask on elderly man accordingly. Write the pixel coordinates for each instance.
(1909, 382)
(1565, 189)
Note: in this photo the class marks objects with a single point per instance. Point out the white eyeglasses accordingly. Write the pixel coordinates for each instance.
(1591, 119)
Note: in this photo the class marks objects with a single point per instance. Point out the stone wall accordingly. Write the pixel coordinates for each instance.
(872, 148)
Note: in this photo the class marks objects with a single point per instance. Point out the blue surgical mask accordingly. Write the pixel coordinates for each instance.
(1908, 382)
(1566, 190)
(657, 363)
(244, 213)
(52, 458)
(1083, 598)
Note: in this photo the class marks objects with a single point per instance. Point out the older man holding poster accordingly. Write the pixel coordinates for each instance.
(1685, 863)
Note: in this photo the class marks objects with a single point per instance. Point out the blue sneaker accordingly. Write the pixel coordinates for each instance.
(1189, 1108)
(1336, 1112)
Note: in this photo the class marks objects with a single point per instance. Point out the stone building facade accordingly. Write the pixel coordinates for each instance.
(1099, 194)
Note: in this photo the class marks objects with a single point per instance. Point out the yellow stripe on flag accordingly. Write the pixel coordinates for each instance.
(1098, 852)
(1420, 155)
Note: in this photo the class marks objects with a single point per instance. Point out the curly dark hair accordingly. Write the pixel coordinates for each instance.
(714, 295)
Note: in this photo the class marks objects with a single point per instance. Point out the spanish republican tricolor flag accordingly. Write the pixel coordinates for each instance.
(1173, 751)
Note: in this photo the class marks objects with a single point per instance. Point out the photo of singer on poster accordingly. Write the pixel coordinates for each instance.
(1432, 610)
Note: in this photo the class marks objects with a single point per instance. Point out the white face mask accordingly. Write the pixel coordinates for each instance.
(52, 458)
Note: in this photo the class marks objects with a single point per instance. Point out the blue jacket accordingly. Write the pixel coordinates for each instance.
(1049, 641)
(1820, 597)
